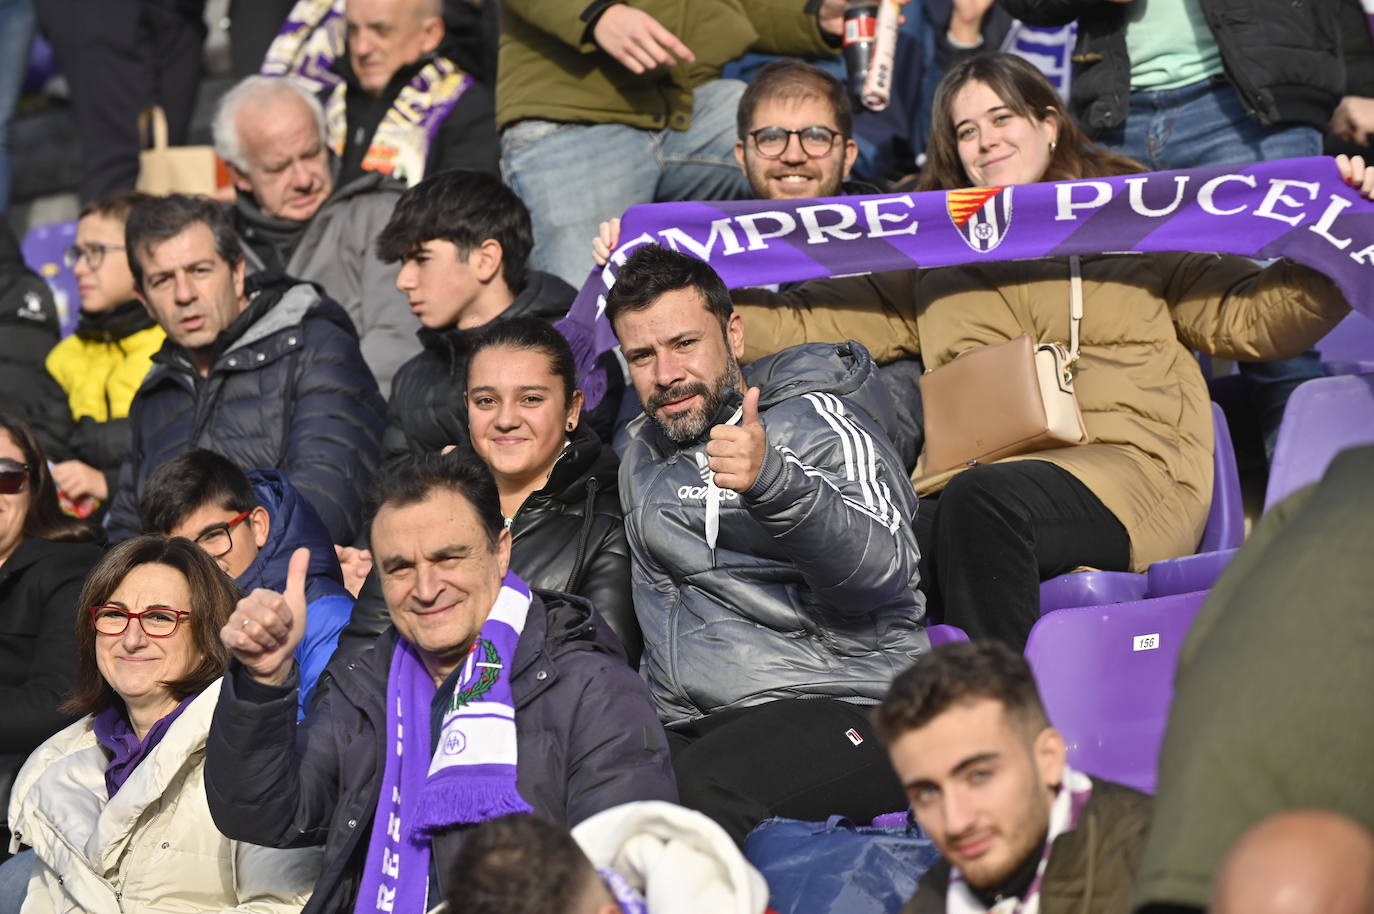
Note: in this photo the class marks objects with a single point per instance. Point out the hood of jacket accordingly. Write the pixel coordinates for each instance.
(678, 859)
(294, 523)
(583, 460)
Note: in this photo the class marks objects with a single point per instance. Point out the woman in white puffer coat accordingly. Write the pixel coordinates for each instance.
(114, 806)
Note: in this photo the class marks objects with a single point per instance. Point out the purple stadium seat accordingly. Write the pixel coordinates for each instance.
(945, 634)
(1324, 417)
(42, 248)
(1106, 676)
(1349, 347)
(1225, 530)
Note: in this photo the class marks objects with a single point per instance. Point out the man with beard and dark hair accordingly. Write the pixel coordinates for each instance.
(774, 564)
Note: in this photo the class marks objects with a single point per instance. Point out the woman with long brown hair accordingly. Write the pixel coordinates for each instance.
(1138, 490)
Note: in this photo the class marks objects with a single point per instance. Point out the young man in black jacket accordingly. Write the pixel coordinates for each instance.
(266, 372)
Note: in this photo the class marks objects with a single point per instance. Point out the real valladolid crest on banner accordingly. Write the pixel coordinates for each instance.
(1295, 208)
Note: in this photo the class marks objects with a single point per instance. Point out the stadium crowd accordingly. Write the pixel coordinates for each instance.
(342, 570)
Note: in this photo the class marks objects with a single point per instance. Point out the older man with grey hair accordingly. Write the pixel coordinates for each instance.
(294, 219)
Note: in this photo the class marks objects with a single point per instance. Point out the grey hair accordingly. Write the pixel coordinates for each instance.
(256, 89)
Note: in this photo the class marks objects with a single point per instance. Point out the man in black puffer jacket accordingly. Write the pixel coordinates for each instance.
(266, 372)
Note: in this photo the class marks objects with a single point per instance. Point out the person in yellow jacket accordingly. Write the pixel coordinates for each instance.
(101, 366)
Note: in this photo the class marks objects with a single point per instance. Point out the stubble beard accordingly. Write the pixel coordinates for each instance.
(686, 427)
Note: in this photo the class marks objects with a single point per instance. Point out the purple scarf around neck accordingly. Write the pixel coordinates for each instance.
(1294, 208)
(469, 777)
(115, 733)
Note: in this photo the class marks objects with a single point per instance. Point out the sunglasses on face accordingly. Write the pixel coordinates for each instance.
(13, 475)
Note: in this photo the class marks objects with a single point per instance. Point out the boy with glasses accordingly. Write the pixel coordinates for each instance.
(101, 365)
(250, 524)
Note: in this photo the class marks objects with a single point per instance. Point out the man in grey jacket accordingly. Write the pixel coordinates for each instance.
(293, 218)
(774, 563)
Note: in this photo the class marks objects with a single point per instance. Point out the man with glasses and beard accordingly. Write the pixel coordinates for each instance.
(774, 564)
(796, 139)
(250, 524)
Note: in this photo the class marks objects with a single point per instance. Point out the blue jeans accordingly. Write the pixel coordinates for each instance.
(1205, 124)
(14, 880)
(16, 33)
(573, 176)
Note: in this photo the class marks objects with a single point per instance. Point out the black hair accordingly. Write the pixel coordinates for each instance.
(115, 205)
(651, 271)
(460, 471)
(159, 219)
(466, 208)
(519, 864)
(536, 335)
(179, 487)
(792, 79)
(956, 673)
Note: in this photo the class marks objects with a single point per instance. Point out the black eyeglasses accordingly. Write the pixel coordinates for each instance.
(217, 541)
(816, 140)
(158, 622)
(13, 475)
(94, 254)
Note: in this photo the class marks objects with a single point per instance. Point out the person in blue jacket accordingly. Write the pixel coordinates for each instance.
(250, 523)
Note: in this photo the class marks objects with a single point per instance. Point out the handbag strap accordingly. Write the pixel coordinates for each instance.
(1075, 305)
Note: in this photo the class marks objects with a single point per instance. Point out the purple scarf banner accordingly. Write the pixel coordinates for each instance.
(1300, 209)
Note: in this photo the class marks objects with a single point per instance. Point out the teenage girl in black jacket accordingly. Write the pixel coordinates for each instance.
(557, 483)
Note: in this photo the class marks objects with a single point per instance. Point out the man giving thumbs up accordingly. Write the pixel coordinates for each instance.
(775, 567)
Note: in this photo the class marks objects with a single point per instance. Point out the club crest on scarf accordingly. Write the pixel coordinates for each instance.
(981, 214)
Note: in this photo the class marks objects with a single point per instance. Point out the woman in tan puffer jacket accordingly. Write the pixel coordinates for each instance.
(1140, 489)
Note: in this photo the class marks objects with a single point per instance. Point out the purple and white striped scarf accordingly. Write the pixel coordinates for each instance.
(471, 775)
(1294, 208)
(1074, 791)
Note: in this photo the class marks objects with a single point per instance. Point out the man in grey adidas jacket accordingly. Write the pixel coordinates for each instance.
(774, 564)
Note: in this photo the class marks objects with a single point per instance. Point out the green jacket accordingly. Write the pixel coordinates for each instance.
(1092, 868)
(1272, 707)
(550, 68)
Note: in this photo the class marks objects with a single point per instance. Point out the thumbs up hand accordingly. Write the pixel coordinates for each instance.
(266, 626)
(736, 451)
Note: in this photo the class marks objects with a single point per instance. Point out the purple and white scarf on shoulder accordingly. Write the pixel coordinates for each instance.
(471, 774)
(1074, 791)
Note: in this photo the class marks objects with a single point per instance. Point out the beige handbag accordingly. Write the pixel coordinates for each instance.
(164, 169)
(1005, 399)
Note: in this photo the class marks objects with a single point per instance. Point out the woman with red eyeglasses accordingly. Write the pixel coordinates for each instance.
(44, 557)
(114, 806)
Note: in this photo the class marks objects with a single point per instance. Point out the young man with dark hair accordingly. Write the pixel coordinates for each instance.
(251, 524)
(775, 566)
(483, 698)
(988, 781)
(526, 865)
(265, 371)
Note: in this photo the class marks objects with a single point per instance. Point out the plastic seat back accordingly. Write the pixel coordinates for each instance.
(945, 634)
(1323, 417)
(1106, 675)
(1349, 347)
(1226, 518)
